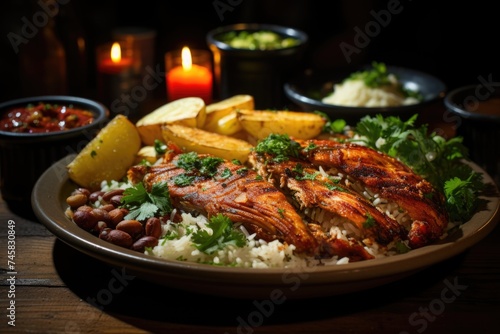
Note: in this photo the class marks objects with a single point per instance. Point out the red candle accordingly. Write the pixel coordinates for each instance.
(113, 62)
(189, 80)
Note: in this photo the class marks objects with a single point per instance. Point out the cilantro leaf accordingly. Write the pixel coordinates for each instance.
(143, 204)
(222, 235)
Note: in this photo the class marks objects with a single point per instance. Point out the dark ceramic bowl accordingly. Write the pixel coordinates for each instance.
(307, 90)
(476, 110)
(260, 73)
(25, 156)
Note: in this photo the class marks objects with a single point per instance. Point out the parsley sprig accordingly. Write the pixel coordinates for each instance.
(143, 204)
(223, 234)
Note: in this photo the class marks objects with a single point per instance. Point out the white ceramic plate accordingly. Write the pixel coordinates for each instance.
(53, 187)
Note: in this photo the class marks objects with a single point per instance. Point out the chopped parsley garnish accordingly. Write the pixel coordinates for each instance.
(278, 145)
(299, 169)
(402, 248)
(143, 204)
(369, 222)
(223, 234)
(307, 176)
(334, 187)
(195, 166)
(183, 180)
(205, 166)
(242, 171)
(281, 212)
(226, 173)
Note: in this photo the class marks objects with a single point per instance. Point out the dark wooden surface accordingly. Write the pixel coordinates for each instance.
(60, 290)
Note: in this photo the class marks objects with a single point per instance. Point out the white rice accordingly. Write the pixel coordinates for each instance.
(355, 93)
(256, 253)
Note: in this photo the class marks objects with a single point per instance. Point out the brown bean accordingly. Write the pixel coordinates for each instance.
(87, 208)
(77, 200)
(116, 216)
(84, 191)
(116, 237)
(116, 200)
(108, 195)
(153, 227)
(101, 214)
(146, 241)
(94, 197)
(131, 226)
(107, 207)
(85, 219)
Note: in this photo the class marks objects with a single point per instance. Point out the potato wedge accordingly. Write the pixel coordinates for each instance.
(261, 123)
(108, 155)
(228, 125)
(218, 110)
(201, 141)
(188, 111)
(147, 153)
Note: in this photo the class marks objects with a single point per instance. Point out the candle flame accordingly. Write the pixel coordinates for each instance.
(116, 52)
(186, 58)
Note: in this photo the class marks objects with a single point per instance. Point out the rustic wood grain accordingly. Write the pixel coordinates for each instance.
(60, 290)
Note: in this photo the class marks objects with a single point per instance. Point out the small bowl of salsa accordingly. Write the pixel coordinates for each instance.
(475, 109)
(35, 132)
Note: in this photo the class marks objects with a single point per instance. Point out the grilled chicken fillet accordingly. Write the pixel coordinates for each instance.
(242, 196)
(311, 189)
(389, 178)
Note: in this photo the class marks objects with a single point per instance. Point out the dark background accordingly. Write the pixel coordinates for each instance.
(455, 42)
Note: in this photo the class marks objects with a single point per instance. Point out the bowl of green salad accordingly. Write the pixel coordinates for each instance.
(370, 90)
(255, 59)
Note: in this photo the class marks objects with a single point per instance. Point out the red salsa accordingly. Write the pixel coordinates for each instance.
(44, 117)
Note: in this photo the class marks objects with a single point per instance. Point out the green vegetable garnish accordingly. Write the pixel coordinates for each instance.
(375, 77)
(436, 159)
(378, 76)
(160, 147)
(369, 222)
(143, 204)
(278, 145)
(258, 40)
(223, 234)
(205, 166)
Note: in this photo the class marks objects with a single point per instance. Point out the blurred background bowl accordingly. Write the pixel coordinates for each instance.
(307, 90)
(476, 110)
(25, 156)
(260, 73)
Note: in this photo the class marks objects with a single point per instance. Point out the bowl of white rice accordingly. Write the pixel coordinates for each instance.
(350, 96)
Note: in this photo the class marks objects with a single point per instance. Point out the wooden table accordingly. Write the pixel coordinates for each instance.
(60, 290)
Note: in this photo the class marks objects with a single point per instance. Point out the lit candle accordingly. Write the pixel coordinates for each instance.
(117, 76)
(113, 62)
(189, 79)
